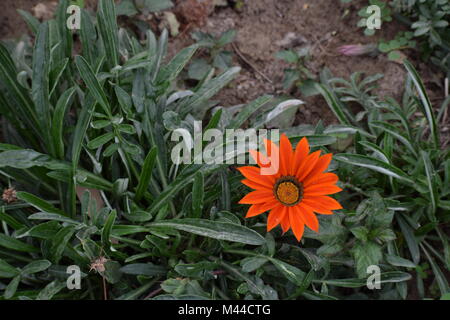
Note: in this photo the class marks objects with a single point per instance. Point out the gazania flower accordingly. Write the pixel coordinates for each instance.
(296, 191)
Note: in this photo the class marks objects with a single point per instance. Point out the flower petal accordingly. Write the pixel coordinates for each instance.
(259, 208)
(300, 154)
(327, 177)
(285, 223)
(297, 224)
(257, 196)
(275, 217)
(308, 217)
(254, 185)
(321, 165)
(322, 204)
(321, 190)
(308, 165)
(286, 155)
(254, 174)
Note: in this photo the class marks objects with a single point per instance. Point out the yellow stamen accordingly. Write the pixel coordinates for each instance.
(288, 191)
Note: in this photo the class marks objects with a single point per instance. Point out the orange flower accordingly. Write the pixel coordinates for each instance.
(295, 191)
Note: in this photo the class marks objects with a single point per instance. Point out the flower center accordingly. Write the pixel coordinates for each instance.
(288, 191)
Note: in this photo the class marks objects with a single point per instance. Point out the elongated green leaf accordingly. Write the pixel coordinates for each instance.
(38, 203)
(92, 83)
(18, 99)
(51, 289)
(374, 164)
(293, 274)
(107, 23)
(208, 90)
(399, 261)
(197, 195)
(248, 110)
(334, 103)
(12, 287)
(7, 270)
(146, 173)
(386, 277)
(58, 121)
(439, 275)
(59, 243)
(31, 21)
(40, 84)
(100, 140)
(35, 267)
(146, 269)
(411, 241)
(171, 71)
(106, 231)
(214, 229)
(51, 216)
(395, 132)
(426, 103)
(431, 184)
(14, 244)
(88, 36)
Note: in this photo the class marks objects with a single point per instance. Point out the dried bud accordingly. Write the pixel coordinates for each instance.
(357, 49)
(98, 264)
(9, 195)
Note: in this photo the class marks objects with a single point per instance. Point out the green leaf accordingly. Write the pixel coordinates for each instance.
(100, 140)
(7, 270)
(411, 241)
(431, 183)
(291, 273)
(146, 269)
(197, 195)
(31, 21)
(107, 24)
(176, 65)
(214, 229)
(51, 216)
(40, 85)
(385, 277)
(395, 132)
(38, 203)
(146, 173)
(106, 231)
(35, 267)
(251, 264)
(287, 55)
(59, 243)
(334, 103)
(58, 121)
(14, 244)
(399, 261)
(248, 110)
(208, 90)
(366, 254)
(374, 164)
(12, 287)
(426, 103)
(51, 289)
(92, 83)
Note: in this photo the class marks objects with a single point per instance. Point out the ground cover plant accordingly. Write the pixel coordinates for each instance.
(89, 180)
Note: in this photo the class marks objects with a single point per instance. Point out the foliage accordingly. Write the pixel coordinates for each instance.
(87, 144)
(298, 75)
(216, 55)
(427, 19)
(408, 172)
